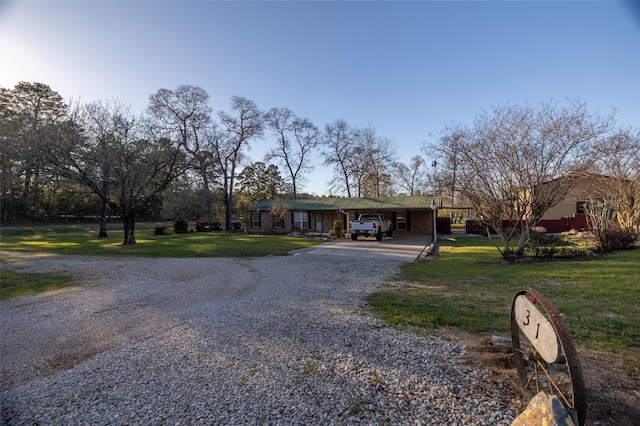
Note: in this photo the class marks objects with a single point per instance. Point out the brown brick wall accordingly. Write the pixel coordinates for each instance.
(421, 222)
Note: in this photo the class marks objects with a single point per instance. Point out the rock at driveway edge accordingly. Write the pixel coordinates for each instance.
(544, 410)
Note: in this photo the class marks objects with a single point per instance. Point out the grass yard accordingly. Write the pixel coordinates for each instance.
(14, 284)
(468, 287)
(84, 241)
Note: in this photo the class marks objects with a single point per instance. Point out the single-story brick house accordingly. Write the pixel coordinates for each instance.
(408, 214)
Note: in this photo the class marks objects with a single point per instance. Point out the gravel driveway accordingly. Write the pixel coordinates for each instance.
(274, 340)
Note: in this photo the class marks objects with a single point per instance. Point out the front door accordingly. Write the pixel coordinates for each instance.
(319, 222)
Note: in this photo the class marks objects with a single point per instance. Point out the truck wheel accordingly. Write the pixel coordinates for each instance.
(354, 237)
(390, 233)
(379, 236)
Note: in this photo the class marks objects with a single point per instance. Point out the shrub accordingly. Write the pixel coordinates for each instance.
(548, 245)
(160, 230)
(180, 226)
(615, 239)
(337, 229)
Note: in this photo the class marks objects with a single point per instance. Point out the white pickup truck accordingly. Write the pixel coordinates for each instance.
(370, 225)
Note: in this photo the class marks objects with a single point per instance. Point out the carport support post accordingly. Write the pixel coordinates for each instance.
(434, 210)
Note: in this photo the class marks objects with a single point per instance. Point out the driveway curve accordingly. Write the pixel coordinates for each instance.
(274, 340)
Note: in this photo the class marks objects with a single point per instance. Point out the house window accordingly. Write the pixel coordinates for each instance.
(401, 220)
(301, 220)
(581, 207)
(255, 220)
(279, 224)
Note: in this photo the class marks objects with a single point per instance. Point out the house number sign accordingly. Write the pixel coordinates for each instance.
(544, 354)
(537, 329)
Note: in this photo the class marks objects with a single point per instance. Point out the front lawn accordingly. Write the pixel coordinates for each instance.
(85, 241)
(14, 284)
(468, 287)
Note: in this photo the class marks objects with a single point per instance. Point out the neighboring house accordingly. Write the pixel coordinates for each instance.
(568, 214)
(409, 214)
(578, 192)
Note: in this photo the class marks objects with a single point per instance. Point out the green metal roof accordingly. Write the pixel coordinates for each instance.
(400, 202)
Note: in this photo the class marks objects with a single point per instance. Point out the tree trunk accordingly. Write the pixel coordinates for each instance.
(228, 200)
(26, 192)
(506, 242)
(209, 202)
(228, 210)
(210, 218)
(103, 203)
(103, 220)
(129, 224)
(524, 238)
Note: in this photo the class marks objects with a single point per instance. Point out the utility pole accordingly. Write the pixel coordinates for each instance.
(434, 203)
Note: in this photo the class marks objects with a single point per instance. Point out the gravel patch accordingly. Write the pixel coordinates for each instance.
(275, 340)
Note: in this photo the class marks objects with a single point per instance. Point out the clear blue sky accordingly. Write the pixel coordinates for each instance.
(409, 69)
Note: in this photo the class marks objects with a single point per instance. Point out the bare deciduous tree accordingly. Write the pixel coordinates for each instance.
(339, 140)
(509, 157)
(229, 141)
(447, 154)
(411, 178)
(296, 138)
(184, 115)
(377, 156)
(361, 159)
(123, 167)
(613, 183)
(102, 123)
(357, 169)
(618, 157)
